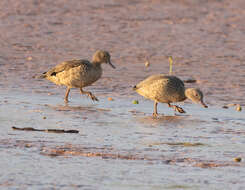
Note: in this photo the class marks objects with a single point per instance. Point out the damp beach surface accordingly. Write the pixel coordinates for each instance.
(119, 144)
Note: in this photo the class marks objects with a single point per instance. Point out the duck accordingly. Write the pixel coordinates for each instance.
(79, 73)
(168, 89)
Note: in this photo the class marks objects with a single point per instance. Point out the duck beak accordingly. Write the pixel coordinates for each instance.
(109, 62)
(203, 104)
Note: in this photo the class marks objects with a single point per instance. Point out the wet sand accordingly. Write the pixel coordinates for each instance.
(119, 145)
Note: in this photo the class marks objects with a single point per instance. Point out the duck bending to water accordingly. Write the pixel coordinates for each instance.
(168, 89)
(79, 73)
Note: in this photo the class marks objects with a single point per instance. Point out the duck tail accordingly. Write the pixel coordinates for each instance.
(42, 76)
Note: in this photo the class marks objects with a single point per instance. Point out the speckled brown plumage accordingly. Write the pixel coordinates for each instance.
(167, 89)
(78, 73)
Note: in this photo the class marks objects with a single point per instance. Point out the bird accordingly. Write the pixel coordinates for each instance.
(79, 73)
(167, 89)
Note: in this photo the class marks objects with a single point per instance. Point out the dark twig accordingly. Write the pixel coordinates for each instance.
(45, 130)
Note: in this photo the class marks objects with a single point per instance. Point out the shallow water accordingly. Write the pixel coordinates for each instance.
(120, 145)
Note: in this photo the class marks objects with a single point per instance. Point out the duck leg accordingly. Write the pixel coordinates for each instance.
(176, 108)
(89, 94)
(67, 94)
(155, 114)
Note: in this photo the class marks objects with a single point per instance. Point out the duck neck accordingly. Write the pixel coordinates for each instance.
(96, 63)
(186, 93)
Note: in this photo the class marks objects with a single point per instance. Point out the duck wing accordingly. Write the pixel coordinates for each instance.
(65, 66)
(164, 78)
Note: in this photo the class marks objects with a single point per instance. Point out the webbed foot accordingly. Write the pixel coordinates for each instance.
(93, 97)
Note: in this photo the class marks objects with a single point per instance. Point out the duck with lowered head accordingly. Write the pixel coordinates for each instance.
(168, 89)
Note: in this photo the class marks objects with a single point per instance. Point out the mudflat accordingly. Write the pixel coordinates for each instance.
(119, 144)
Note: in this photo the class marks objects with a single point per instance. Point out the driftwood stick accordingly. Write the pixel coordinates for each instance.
(45, 130)
(190, 81)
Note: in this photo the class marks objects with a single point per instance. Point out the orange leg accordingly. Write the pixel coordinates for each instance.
(155, 114)
(89, 94)
(176, 108)
(67, 94)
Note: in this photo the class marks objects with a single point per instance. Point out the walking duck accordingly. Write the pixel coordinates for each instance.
(79, 73)
(168, 89)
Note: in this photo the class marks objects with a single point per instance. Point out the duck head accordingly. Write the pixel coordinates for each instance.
(102, 57)
(195, 95)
